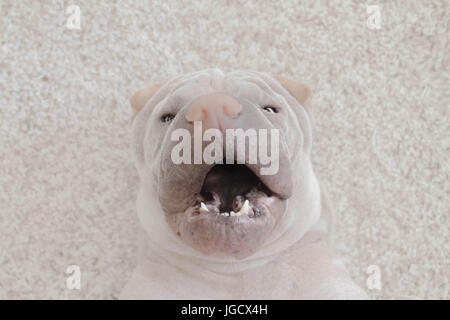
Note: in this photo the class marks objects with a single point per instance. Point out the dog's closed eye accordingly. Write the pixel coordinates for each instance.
(167, 117)
(270, 109)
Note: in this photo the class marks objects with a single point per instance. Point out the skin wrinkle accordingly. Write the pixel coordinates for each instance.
(203, 250)
(277, 93)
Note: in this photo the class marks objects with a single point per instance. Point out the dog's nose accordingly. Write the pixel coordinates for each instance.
(214, 110)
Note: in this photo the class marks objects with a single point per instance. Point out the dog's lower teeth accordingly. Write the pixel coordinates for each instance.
(243, 211)
(245, 208)
(204, 207)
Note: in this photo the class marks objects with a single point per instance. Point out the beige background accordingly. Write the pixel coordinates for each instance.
(381, 109)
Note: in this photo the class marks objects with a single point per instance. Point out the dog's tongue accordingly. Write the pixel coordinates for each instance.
(228, 182)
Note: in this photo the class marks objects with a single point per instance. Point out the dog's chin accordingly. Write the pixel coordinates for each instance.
(216, 234)
(232, 216)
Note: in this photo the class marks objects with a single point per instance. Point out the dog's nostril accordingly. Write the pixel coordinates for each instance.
(231, 109)
(194, 114)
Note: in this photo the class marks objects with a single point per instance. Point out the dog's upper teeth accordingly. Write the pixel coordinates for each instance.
(245, 208)
(204, 207)
(232, 213)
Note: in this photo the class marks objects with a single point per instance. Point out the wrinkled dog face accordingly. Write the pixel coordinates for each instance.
(229, 207)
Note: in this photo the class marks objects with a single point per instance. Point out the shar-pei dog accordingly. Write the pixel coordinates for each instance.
(228, 198)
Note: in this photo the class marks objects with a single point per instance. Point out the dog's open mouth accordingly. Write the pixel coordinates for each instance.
(232, 214)
(232, 190)
(231, 209)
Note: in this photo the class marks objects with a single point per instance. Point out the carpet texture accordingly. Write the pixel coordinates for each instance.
(381, 115)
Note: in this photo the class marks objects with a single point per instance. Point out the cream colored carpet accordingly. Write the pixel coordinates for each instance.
(382, 123)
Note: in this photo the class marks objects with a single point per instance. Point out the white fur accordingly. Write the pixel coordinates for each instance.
(292, 263)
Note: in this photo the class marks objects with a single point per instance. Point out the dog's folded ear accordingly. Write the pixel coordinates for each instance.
(140, 98)
(300, 91)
